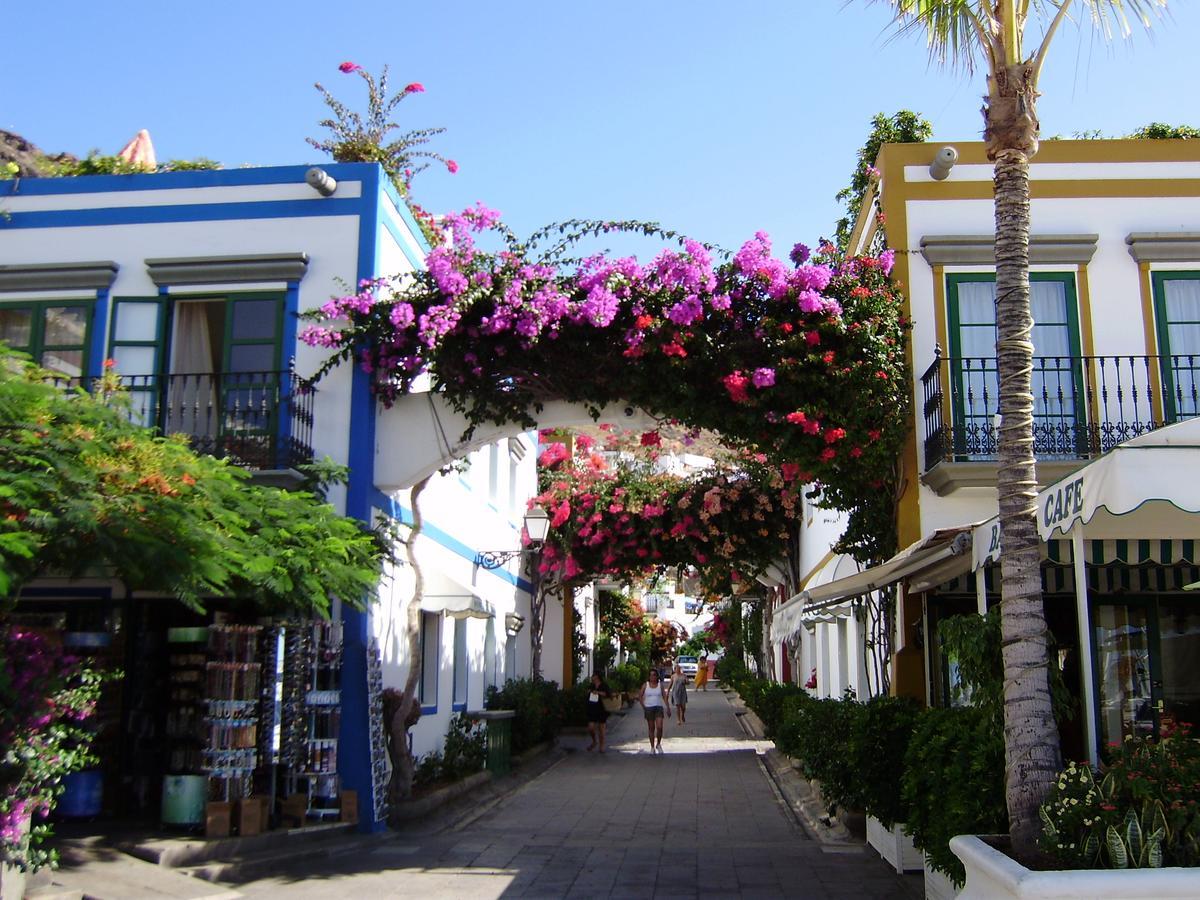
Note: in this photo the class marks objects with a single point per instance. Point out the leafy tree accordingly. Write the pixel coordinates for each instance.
(963, 31)
(903, 127)
(84, 490)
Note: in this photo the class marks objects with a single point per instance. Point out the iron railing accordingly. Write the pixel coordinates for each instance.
(1083, 405)
(258, 420)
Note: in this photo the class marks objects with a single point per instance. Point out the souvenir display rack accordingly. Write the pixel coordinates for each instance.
(380, 769)
(233, 677)
(185, 726)
(314, 772)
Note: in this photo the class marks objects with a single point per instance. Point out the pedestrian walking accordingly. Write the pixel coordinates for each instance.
(702, 674)
(656, 707)
(679, 694)
(597, 715)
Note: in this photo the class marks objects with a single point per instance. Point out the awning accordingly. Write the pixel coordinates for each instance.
(457, 606)
(786, 619)
(941, 556)
(1144, 488)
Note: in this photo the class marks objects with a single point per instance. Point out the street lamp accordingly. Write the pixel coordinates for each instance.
(537, 526)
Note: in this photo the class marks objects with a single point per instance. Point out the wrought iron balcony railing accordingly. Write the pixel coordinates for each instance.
(1083, 405)
(259, 420)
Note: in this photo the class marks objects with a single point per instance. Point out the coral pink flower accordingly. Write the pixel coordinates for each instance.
(349, 67)
(451, 166)
(415, 88)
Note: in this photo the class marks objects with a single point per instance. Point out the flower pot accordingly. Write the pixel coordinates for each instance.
(938, 885)
(613, 704)
(995, 875)
(83, 795)
(894, 846)
(855, 822)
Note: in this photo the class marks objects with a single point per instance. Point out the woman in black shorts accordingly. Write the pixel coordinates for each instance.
(597, 715)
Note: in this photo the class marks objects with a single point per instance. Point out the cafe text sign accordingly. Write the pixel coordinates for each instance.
(1060, 505)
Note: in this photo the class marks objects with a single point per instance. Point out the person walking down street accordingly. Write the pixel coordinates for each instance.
(679, 694)
(597, 715)
(655, 705)
(702, 674)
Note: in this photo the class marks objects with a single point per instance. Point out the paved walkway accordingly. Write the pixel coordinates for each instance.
(701, 820)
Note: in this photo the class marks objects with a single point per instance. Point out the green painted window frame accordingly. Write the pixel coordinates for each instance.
(37, 328)
(1162, 325)
(953, 326)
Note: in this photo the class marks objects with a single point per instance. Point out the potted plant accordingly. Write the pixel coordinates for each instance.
(1132, 833)
(882, 733)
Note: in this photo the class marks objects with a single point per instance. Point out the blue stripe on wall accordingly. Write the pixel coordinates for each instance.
(193, 212)
(354, 747)
(403, 514)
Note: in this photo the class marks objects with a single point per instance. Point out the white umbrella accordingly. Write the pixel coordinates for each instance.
(140, 151)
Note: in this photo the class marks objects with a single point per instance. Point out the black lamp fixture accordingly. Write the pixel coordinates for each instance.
(537, 526)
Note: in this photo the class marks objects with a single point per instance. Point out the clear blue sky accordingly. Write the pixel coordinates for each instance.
(717, 119)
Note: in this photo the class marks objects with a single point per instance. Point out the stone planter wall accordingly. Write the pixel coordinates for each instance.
(994, 875)
(894, 846)
(13, 879)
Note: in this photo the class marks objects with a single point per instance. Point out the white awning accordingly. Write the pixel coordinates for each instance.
(1144, 488)
(457, 606)
(786, 619)
(944, 552)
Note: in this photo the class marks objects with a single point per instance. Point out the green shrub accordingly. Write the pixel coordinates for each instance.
(464, 753)
(628, 677)
(882, 732)
(787, 737)
(769, 700)
(823, 733)
(573, 703)
(953, 782)
(537, 707)
(732, 671)
(604, 654)
(1144, 812)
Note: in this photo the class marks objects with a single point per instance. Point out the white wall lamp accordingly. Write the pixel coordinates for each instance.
(321, 181)
(537, 526)
(942, 163)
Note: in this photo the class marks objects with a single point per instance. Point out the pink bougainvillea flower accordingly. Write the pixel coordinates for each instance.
(651, 439)
(451, 166)
(415, 88)
(349, 67)
(790, 471)
(736, 383)
(763, 378)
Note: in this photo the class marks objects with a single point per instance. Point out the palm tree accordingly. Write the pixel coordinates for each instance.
(962, 31)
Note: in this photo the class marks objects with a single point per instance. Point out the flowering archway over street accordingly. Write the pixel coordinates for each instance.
(799, 362)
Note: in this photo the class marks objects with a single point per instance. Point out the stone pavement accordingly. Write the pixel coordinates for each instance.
(700, 820)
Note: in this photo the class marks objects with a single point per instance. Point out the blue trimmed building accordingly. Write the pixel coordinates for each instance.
(192, 282)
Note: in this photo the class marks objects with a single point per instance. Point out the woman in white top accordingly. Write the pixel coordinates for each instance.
(656, 707)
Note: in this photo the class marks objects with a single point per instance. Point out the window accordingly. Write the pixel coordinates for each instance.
(431, 657)
(1177, 311)
(53, 332)
(1059, 429)
(460, 664)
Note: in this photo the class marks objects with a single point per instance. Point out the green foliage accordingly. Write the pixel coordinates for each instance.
(880, 738)
(628, 677)
(903, 127)
(97, 164)
(573, 703)
(1158, 131)
(538, 709)
(953, 782)
(732, 671)
(823, 733)
(604, 653)
(464, 753)
(83, 488)
(46, 700)
(770, 701)
(701, 642)
(1143, 813)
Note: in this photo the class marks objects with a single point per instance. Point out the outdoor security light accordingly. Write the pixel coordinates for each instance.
(537, 525)
(320, 181)
(943, 163)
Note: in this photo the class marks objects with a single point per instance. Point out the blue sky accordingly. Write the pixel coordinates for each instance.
(717, 119)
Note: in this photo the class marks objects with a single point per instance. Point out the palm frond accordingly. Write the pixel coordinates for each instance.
(956, 32)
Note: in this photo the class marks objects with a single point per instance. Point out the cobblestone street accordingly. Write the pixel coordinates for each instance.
(702, 819)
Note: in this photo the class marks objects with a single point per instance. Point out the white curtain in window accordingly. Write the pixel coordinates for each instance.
(192, 396)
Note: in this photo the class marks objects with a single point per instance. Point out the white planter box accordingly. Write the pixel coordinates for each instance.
(938, 885)
(994, 875)
(894, 846)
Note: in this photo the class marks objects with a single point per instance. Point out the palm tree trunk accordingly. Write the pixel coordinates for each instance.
(1032, 757)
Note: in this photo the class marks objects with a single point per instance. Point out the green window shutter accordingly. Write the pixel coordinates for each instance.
(55, 333)
(1177, 321)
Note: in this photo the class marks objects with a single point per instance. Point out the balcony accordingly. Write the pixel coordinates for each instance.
(1083, 407)
(258, 420)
